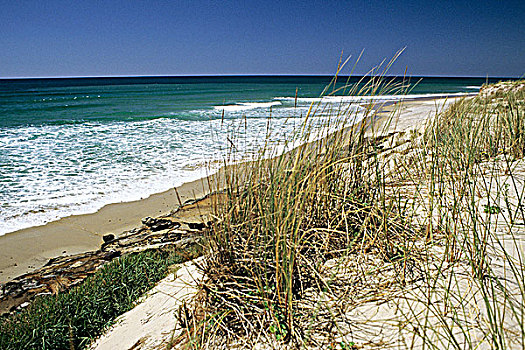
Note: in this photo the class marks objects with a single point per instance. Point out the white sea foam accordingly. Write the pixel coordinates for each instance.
(366, 99)
(56, 171)
(299, 99)
(246, 106)
(473, 87)
(53, 171)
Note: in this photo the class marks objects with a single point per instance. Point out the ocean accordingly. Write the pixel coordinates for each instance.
(72, 145)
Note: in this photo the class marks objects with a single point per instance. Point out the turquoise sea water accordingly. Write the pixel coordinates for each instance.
(70, 146)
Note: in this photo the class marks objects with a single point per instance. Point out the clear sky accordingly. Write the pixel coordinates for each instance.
(132, 37)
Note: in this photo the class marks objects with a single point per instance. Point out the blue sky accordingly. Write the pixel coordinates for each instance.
(99, 38)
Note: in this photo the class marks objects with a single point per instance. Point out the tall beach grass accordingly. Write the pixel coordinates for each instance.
(373, 237)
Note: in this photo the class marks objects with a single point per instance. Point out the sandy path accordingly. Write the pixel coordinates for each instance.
(152, 322)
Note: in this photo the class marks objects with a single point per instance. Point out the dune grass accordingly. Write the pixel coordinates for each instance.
(70, 320)
(475, 186)
(284, 218)
(419, 224)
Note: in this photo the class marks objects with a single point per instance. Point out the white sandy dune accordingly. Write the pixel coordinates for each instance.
(152, 323)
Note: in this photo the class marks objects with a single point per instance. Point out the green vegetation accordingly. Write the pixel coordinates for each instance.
(286, 217)
(70, 320)
(474, 154)
(421, 226)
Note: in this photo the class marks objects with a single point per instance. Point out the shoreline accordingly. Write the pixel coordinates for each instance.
(28, 249)
(31, 248)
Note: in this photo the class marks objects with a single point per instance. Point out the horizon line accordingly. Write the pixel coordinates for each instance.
(244, 75)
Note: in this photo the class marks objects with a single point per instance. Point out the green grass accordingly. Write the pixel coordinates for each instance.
(473, 154)
(72, 319)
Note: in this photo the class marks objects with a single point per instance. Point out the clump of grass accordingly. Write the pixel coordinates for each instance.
(285, 217)
(477, 129)
(72, 319)
(473, 154)
(317, 234)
